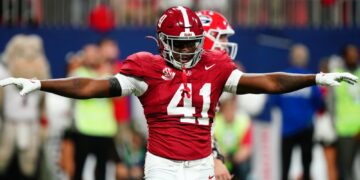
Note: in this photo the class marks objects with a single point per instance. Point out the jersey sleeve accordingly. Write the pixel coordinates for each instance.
(131, 85)
(131, 75)
(233, 75)
(229, 72)
(132, 66)
(232, 81)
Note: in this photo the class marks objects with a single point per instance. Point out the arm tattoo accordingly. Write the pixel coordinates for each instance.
(76, 83)
(115, 88)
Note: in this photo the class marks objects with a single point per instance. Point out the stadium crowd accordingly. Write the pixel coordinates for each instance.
(255, 13)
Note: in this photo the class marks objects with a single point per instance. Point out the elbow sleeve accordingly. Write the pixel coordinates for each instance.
(115, 88)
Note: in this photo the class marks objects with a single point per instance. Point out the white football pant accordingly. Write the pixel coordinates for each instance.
(158, 168)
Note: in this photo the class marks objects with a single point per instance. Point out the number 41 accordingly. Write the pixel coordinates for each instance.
(188, 110)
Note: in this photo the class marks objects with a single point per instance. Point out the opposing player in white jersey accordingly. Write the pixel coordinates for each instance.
(179, 90)
(20, 134)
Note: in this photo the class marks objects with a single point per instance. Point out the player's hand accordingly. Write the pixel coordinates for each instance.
(26, 85)
(334, 79)
(221, 172)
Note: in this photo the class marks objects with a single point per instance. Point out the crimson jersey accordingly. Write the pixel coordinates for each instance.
(179, 126)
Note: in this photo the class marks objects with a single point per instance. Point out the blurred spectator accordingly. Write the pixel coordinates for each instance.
(135, 12)
(67, 146)
(59, 147)
(233, 134)
(74, 61)
(110, 52)
(347, 115)
(274, 13)
(108, 56)
(59, 116)
(252, 13)
(20, 12)
(297, 110)
(132, 149)
(67, 155)
(221, 6)
(164, 4)
(324, 126)
(327, 15)
(21, 134)
(94, 120)
(297, 13)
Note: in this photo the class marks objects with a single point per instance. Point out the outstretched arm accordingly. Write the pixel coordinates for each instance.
(79, 88)
(274, 83)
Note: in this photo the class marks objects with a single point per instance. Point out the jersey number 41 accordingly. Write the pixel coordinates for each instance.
(188, 110)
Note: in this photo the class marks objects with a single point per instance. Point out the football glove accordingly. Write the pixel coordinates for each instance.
(25, 85)
(334, 79)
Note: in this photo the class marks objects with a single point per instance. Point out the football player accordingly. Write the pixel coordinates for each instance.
(216, 33)
(179, 90)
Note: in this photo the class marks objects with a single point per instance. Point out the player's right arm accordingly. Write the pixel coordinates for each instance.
(128, 81)
(79, 88)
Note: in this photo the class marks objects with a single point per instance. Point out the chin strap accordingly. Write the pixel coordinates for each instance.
(186, 89)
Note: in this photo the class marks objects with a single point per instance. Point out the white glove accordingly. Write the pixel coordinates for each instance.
(26, 85)
(334, 79)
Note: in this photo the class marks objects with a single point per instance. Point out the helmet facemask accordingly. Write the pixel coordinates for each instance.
(229, 47)
(171, 45)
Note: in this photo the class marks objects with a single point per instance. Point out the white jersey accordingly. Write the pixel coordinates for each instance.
(21, 108)
(58, 112)
(3, 72)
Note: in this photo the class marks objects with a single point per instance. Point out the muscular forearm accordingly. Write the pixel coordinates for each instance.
(285, 82)
(79, 88)
(273, 83)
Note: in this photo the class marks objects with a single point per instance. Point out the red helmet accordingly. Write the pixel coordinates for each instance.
(215, 25)
(180, 25)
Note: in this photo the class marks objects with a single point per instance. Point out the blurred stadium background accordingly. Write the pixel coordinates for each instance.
(262, 27)
(265, 31)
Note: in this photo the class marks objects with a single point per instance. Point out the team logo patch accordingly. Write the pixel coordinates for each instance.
(188, 73)
(168, 74)
(205, 20)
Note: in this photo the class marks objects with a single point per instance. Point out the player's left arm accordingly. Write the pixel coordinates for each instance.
(221, 172)
(274, 83)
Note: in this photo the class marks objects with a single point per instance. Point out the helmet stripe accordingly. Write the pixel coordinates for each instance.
(186, 19)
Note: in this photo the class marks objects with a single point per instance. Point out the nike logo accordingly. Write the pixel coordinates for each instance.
(211, 177)
(208, 67)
